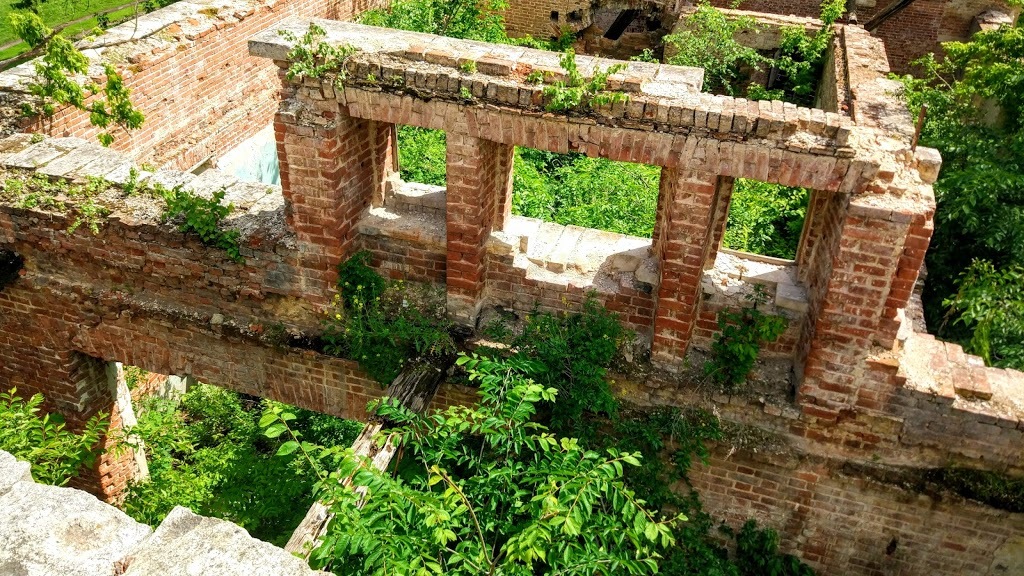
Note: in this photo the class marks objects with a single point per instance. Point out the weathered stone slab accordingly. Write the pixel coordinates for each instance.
(12, 471)
(48, 530)
(188, 544)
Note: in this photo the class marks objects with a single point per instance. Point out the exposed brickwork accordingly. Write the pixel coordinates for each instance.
(479, 173)
(687, 236)
(192, 77)
(142, 293)
(845, 525)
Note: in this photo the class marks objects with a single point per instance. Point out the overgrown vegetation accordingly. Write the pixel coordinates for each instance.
(742, 334)
(577, 93)
(42, 438)
(202, 217)
(56, 84)
(383, 324)
(766, 219)
(208, 453)
(590, 192)
(709, 41)
(78, 200)
(975, 99)
(312, 57)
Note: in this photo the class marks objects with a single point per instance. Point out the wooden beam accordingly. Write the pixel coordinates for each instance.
(414, 388)
(886, 13)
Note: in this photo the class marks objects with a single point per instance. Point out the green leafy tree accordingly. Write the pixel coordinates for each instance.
(207, 453)
(57, 454)
(801, 57)
(708, 41)
(470, 19)
(975, 99)
(486, 490)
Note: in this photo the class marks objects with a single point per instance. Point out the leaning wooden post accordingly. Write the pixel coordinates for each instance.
(414, 388)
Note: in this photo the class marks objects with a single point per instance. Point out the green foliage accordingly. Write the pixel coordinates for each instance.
(765, 219)
(590, 192)
(78, 200)
(990, 302)
(204, 218)
(384, 325)
(802, 57)
(742, 335)
(55, 83)
(312, 57)
(756, 553)
(975, 99)
(487, 490)
(577, 93)
(422, 155)
(572, 353)
(471, 19)
(42, 439)
(209, 454)
(709, 42)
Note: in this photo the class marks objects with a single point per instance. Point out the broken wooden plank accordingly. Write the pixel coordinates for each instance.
(414, 388)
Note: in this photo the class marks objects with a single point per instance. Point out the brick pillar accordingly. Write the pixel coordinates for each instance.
(505, 157)
(721, 218)
(874, 267)
(333, 167)
(479, 174)
(685, 236)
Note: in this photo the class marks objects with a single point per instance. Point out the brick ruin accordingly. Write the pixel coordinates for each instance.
(875, 399)
(916, 29)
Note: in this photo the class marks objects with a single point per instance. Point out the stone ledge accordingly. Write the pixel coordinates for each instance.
(53, 530)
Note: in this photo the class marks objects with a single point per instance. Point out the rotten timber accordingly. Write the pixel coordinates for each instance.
(414, 388)
(887, 13)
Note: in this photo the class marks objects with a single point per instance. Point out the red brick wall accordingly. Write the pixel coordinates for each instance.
(200, 90)
(847, 525)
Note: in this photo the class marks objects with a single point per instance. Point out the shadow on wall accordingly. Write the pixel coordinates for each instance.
(254, 160)
(11, 264)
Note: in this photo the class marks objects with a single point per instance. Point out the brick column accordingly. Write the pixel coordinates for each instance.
(685, 236)
(333, 167)
(721, 218)
(874, 267)
(35, 357)
(479, 174)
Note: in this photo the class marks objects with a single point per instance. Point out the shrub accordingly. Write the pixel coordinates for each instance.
(204, 218)
(384, 325)
(735, 349)
(42, 439)
(209, 454)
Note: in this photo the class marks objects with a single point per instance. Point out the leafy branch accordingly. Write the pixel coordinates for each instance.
(108, 105)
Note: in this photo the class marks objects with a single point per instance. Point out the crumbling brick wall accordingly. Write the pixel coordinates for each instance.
(192, 77)
(143, 293)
